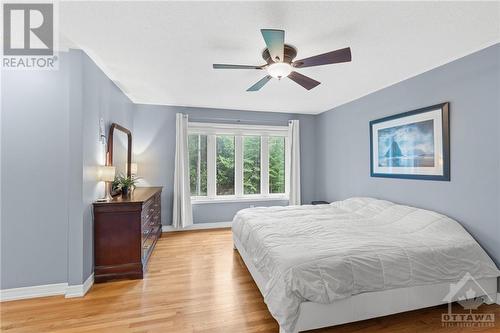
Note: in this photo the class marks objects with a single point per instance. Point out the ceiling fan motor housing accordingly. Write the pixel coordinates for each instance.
(290, 54)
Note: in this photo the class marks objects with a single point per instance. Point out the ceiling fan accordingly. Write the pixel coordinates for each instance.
(279, 61)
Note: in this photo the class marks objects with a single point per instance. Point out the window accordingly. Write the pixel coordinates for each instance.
(251, 165)
(277, 164)
(197, 146)
(238, 162)
(225, 165)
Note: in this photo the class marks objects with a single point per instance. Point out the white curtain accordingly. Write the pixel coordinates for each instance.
(182, 213)
(294, 137)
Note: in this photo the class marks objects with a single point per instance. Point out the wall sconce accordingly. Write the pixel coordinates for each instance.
(106, 174)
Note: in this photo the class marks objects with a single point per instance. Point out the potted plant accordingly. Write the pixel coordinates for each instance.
(124, 184)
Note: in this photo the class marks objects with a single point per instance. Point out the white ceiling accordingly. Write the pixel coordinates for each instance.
(162, 52)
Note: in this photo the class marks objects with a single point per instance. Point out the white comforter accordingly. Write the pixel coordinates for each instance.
(328, 252)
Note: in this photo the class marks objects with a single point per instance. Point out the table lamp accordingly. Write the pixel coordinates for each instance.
(133, 169)
(106, 174)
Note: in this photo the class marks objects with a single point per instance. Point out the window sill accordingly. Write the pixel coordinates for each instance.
(232, 199)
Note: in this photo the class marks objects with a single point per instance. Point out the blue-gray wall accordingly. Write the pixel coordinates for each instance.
(154, 151)
(471, 85)
(35, 169)
(101, 98)
(49, 153)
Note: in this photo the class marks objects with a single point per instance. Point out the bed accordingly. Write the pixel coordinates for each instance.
(324, 265)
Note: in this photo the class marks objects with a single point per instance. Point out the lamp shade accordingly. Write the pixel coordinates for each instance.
(133, 168)
(106, 173)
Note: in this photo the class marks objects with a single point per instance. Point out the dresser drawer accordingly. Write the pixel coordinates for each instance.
(149, 242)
(146, 232)
(150, 221)
(157, 218)
(157, 198)
(151, 215)
(147, 212)
(150, 226)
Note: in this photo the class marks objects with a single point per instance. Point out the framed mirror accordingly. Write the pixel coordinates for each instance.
(120, 149)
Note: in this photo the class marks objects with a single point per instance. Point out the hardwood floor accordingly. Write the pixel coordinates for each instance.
(195, 283)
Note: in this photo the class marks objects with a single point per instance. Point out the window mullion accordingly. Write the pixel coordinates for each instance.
(211, 165)
(264, 160)
(238, 165)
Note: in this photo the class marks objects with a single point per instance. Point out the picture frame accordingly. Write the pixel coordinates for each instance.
(412, 145)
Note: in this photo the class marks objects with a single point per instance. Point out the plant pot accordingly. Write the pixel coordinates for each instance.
(125, 191)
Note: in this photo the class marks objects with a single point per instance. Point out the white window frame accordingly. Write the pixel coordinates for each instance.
(211, 130)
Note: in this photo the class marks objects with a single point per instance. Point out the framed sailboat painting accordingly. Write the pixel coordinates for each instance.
(413, 145)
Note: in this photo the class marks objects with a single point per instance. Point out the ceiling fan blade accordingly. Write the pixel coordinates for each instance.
(275, 42)
(260, 83)
(342, 55)
(225, 66)
(303, 80)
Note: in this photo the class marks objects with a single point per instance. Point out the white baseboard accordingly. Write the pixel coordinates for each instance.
(198, 226)
(32, 292)
(498, 299)
(47, 290)
(81, 289)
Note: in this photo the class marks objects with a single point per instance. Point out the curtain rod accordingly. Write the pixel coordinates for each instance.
(232, 120)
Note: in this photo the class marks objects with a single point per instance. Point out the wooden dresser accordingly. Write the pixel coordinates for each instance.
(125, 233)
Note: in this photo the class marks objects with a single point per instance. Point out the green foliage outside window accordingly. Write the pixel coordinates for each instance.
(276, 164)
(251, 165)
(225, 165)
(197, 148)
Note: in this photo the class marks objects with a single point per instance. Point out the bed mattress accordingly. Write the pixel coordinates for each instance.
(329, 252)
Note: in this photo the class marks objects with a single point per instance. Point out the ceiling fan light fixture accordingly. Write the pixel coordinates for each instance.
(279, 69)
